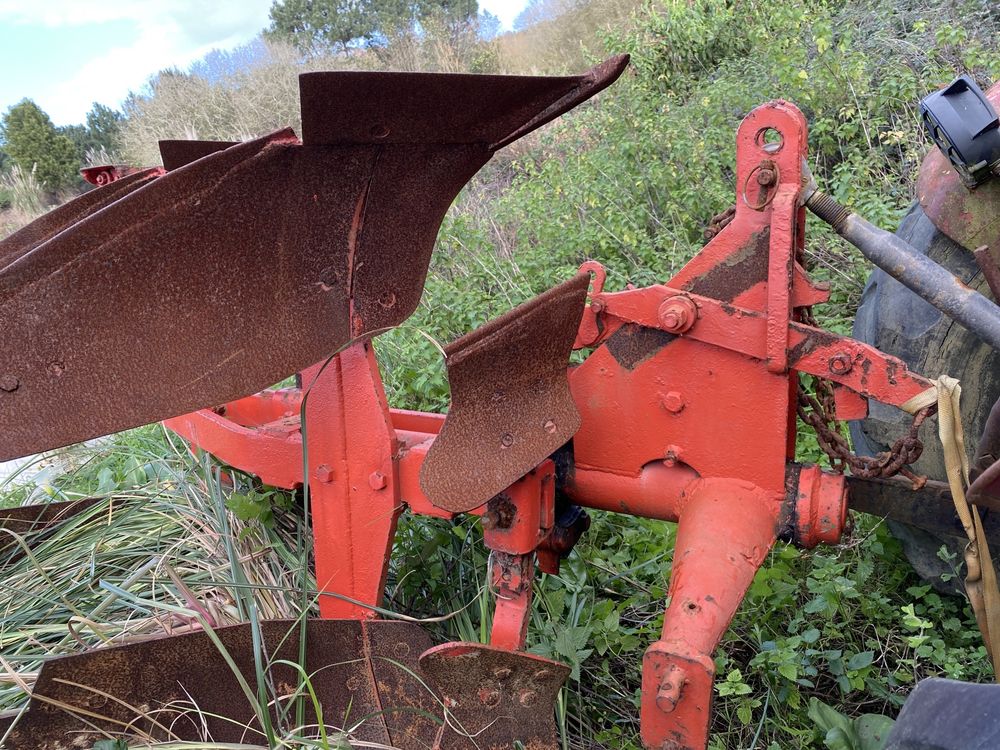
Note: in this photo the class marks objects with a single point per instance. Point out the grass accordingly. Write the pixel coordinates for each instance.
(631, 181)
(171, 546)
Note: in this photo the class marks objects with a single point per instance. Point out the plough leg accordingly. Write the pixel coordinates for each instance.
(707, 584)
(350, 443)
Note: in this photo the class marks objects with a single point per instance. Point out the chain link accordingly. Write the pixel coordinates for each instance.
(819, 411)
(719, 222)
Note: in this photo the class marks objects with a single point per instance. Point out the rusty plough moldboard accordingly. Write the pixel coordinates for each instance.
(683, 409)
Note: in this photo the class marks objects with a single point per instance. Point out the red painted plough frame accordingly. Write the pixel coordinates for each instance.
(687, 403)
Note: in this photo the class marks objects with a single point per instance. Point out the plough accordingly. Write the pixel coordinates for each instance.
(234, 266)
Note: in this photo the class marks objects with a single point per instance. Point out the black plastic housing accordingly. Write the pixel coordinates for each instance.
(963, 124)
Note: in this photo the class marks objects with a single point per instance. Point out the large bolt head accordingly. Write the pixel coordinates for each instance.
(677, 314)
(673, 402)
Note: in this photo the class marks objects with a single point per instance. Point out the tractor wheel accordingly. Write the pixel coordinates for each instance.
(897, 321)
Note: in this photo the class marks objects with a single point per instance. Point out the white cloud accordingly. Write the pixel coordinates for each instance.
(505, 10)
(169, 33)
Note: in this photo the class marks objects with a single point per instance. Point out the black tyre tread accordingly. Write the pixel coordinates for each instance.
(895, 320)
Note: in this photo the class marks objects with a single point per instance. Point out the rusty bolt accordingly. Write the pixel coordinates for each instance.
(765, 177)
(506, 440)
(672, 402)
(9, 383)
(324, 474)
(677, 314)
(597, 306)
(671, 456)
(377, 480)
(489, 697)
(841, 364)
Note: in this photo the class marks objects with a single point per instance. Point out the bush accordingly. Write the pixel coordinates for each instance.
(34, 144)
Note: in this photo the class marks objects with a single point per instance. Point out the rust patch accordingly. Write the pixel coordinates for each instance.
(511, 404)
(813, 339)
(58, 219)
(739, 272)
(237, 265)
(176, 154)
(632, 344)
(500, 512)
(495, 697)
(156, 683)
(29, 521)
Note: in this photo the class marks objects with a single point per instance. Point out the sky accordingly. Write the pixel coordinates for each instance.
(67, 54)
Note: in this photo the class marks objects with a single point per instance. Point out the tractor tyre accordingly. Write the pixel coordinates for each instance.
(898, 322)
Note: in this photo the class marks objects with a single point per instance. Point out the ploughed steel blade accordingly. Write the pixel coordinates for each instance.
(176, 154)
(181, 688)
(228, 274)
(511, 406)
(58, 219)
(495, 698)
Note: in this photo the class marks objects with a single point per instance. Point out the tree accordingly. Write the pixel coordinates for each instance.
(34, 143)
(104, 125)
(97, 138)
(316, 26)
(79, 136)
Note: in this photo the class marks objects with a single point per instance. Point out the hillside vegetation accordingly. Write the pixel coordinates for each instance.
(631, 180)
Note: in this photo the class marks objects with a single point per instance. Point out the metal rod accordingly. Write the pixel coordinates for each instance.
(916, 271)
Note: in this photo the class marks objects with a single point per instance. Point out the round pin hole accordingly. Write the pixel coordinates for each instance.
(769, 140)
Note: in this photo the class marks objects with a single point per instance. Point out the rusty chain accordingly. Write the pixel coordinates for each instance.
(719, 222)
(818, 410)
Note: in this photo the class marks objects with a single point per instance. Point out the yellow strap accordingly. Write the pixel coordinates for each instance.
(981, 577)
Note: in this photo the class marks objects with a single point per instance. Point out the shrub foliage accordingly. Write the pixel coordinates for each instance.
(34, 144)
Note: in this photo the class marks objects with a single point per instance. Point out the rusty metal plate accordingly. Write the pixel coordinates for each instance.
(495, 698)
(494, 110)
(181, 688)
(50, 224)
(176, 154)
(230, 273)
(26, 519)
(969, 217)
(511, 406)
